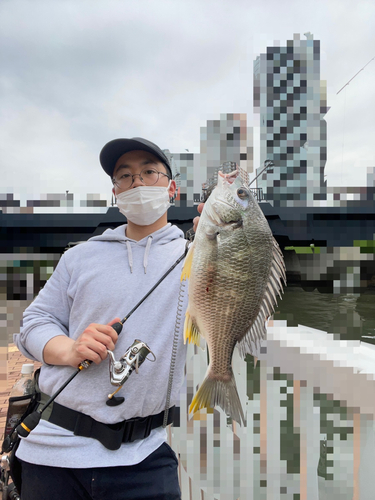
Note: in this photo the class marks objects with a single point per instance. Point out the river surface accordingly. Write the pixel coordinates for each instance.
(349, 316)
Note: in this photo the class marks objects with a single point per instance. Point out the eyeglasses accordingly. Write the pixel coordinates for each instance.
(149, 177)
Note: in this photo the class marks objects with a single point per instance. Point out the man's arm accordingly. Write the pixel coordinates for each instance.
(45, 333)
(92, 344)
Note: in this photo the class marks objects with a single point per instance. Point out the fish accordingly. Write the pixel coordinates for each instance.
(235, 270)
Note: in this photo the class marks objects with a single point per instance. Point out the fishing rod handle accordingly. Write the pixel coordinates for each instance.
(117, 328)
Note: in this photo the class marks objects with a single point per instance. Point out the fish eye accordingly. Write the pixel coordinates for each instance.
(243, 193)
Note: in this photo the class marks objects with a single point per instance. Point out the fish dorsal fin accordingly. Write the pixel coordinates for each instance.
(250, 344)
(191, 332)
(186, 270)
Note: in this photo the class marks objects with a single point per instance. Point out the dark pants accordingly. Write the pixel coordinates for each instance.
(154, 478)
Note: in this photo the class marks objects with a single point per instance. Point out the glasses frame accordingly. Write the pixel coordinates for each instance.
(114, 182)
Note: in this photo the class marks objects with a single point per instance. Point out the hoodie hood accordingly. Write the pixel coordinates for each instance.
(162, 236)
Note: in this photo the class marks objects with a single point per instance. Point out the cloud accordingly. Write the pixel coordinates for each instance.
(76, 74)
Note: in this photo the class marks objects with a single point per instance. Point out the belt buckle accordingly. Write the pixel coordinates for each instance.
(137, 428)
(128, 431)
(148, 428)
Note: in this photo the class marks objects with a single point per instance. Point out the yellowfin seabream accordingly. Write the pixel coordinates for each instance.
(235, 268)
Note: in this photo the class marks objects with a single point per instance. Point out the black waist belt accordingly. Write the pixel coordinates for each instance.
(110, 435)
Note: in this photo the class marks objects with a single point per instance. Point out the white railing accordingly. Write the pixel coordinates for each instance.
(307, 389)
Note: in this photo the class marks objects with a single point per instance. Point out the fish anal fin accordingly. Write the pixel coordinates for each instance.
(186, 270)
(191, 332)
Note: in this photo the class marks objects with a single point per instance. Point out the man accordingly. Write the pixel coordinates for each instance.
(95, 284)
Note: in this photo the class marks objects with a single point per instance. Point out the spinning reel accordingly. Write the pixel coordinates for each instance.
(120, 371)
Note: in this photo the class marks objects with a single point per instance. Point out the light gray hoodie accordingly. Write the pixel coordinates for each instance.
(95, 282)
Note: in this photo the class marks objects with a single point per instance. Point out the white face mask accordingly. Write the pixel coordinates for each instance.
(144, 205)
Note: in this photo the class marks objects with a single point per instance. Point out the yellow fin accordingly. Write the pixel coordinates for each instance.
(201, 399)
(197, 404)
(215, 392)
(191, 332)
(185, 274)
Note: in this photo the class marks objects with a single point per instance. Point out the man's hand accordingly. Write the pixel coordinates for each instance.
(92, 344)
(196, 219)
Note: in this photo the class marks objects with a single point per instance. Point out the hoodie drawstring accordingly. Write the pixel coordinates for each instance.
(147, 251)
(130, 255)
(145, 257)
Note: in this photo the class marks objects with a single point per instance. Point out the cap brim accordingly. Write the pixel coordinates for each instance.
(113, 150)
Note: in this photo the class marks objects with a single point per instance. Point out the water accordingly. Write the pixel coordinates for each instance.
(348, 316)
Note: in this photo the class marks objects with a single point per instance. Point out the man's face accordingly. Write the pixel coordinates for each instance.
(134, 162)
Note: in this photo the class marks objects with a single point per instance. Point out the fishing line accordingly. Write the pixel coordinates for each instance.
(177, 327)
(344, 87)
(343, 138)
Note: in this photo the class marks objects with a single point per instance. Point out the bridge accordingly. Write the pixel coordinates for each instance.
(312, 239)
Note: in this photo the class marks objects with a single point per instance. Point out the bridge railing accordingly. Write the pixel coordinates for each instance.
(309, 433)
(258, 194)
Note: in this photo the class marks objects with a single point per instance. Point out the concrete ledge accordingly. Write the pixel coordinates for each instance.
(345, 369)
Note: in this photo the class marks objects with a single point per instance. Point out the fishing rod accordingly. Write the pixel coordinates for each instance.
(32, 420)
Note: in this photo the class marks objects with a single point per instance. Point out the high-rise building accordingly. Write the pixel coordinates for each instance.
(291, 100)
(186, 172)
(226, 140)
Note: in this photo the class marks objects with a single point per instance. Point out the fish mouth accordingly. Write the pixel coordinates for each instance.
(213, 211)
(229, 178)
(215, 218)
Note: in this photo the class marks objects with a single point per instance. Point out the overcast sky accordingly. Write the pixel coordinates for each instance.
(78, 73)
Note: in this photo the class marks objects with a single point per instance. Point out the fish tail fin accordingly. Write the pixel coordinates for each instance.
(191, 332)
(214, 391)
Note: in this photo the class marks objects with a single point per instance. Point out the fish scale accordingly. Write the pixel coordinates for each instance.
(235, 268)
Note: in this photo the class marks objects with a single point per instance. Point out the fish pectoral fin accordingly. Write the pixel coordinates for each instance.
(191, 332)
(185, 274)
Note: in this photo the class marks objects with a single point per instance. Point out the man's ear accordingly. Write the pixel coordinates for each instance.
(172, 188)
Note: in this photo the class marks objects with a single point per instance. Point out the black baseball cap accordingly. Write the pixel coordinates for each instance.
(116, 148)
